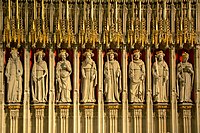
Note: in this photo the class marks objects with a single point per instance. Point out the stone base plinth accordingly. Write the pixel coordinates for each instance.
(136, 111)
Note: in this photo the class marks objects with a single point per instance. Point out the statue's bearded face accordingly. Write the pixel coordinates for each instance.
(185, 59)
(14, 55)
(160, 57)
(88, 56)
(112, 56)
(63, 56)
(39, 57)
(137, 56)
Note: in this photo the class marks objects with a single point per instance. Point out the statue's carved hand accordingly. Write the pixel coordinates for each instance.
(108, 77)
(142, 77)
(182, 79)
(34, 79)
(59, 81)
(118, 74)
(156, 76)
(8, 79)
(84, 76)
(93, 77)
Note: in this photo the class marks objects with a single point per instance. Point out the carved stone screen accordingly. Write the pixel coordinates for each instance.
(99, 66)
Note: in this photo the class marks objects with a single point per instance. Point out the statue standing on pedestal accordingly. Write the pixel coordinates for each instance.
(63, 72)
(39, 78)
(14, 71)
(160, 74)
(137, 78)
(89, 78)
(112, 79)
(185, 76)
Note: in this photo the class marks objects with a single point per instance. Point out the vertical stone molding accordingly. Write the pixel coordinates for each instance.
(161, 118)
(137, 114)
(2, 87)
(64, 119)
(39, 118)
(26, 99)
(112, 118)
(100, 91)
(173, 91)
(197, 86)
(76, 112)
(124, 91)
(14, 118)
(88, 118)
(51, 107)
(186, 117)
(149, 103)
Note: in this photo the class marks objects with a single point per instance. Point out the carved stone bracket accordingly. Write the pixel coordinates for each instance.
(186, 117)
(185, 106)
(137, 113)
(14, 116)
(87, 116)
(112, 118)
(39, 117)
(161, 119)
(64, 120)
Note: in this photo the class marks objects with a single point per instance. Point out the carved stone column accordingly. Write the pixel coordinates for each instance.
(197, 87)
(39, 118)
(26, 99)
(88, 117)
(2, 56)
(173, 91)
(100, 91)
(196, 69)
(76, 126)
(112, 118)
(14, 118)
(2, 87)
(136, 111)
(149, 104)
(124, 92)
(64, 119)
(51, 107)
(186, 117)
(161, 118)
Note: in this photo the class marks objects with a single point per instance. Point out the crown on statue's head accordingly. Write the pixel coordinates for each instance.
(63, 52)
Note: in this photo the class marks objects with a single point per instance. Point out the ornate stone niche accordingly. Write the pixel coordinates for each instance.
(185, 79)
(160, 73)
(13, 73)
(136, 72)
(39, 78)
(112, 78)
(88, 77)
(63, 78)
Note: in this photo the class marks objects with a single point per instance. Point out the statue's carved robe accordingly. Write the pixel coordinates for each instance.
(39, 81)
(14, 71)
(88, 69)
(185, 75)
(137, 78)
(63, 72)
(112, 81)
(161, 83)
